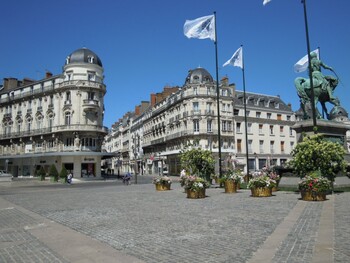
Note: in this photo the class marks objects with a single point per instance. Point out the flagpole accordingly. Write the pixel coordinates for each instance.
(313, 107)
(218, 95)
(245, 118)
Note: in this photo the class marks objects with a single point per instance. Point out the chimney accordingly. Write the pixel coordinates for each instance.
(224, 81)
(153, 99)
(137, 110)
(10, 83)
(48, 74)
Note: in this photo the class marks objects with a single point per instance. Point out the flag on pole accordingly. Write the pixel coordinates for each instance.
(302, 64)
(266, 2)
(236, 60)
(202, 27)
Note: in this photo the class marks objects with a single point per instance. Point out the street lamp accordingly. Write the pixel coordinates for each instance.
(255, 161)
(159, 163)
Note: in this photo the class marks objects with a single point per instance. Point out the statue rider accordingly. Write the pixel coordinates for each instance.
(318, 78)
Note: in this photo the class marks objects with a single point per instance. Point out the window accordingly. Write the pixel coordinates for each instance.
(29, 125)
(291, 145)
(68, 96)
(288, 118)
(290, 131)
(238, 127)
(209, 125)
(195, 106)
(268, 115)
(282, 146)
(279, 117)
(67, 119)
(249, 128)
(224, 127)
(261, 146)
(69, 142)
(91, 76)
(208, 107)
(239, 146)
(272, 147)
(281, 129)
(91, 95)
(258, 114)
(248, 113)
(229, 125)
(250, 146)
(196, 125)
(271, 129)
(235, 112)
(261, 128)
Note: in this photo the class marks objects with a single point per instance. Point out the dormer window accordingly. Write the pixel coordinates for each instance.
(91, 59)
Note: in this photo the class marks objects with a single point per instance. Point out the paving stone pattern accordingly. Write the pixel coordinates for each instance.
(17, 244)
(168, 227)
(165, 226)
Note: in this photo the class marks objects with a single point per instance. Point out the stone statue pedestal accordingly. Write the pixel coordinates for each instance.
(332, 130)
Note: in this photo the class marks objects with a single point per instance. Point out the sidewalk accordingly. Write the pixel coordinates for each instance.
(109, 222)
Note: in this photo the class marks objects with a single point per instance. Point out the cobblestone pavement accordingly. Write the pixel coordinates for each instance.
(166, 226)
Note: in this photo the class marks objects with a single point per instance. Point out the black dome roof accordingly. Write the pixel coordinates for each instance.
(198, 75)
(83, 55)
(338, 111)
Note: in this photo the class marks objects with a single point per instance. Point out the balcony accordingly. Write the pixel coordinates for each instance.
(90, 105)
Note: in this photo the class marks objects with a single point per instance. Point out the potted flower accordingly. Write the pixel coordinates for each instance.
(274, 176)
(261, 184)
(195, 187)
(314, 187)
(162, 183)
(231, 180)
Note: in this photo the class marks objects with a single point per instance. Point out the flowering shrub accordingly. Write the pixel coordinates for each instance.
(162, 180)
(315, 184)
(195, 183)
(261, 180)
(235, 176)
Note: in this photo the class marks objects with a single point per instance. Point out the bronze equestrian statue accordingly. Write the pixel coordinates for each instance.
(324, 87)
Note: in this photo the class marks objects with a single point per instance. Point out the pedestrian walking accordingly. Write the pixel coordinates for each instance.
(70, 178)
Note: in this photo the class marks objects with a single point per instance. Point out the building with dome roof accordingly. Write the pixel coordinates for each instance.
(153, 140)
(56, 120)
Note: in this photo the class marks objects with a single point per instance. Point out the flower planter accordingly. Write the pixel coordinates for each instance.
(162, 187)
(312, 196)
(196, 194)
(275, 188)
(261, 191)
(230, 187)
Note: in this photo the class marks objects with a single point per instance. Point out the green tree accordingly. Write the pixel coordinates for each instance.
(53, 173)
(198, 162)
(41, 173)
(64, 174)
(317, 154)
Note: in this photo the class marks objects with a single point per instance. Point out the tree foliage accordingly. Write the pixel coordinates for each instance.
(315, 153)
(53, 172)
(64, 174)
(198, 162)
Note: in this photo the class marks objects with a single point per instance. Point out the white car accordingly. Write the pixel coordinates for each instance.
(4, 176)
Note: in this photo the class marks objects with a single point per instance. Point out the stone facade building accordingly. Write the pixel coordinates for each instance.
(56, 120)
(187, 117)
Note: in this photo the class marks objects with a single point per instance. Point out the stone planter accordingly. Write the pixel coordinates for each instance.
(261, 191)
(312, 196)
(196, 194)
(163, 187)
(230, 187)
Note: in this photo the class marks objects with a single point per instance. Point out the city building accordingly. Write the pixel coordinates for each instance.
(150, 141)
(56, 120)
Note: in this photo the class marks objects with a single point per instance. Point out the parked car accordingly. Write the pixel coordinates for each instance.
(4, 176)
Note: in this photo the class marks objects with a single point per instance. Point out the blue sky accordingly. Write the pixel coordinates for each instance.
(143, 48)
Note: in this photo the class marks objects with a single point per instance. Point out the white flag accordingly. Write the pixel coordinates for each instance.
(202, 27)
(266, 2)
(236, 59)
(302, 64)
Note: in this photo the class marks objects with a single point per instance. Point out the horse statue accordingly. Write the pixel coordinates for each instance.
(323, 92)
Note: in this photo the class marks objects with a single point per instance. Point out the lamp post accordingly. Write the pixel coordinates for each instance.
(159, 163)
(255, 161)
